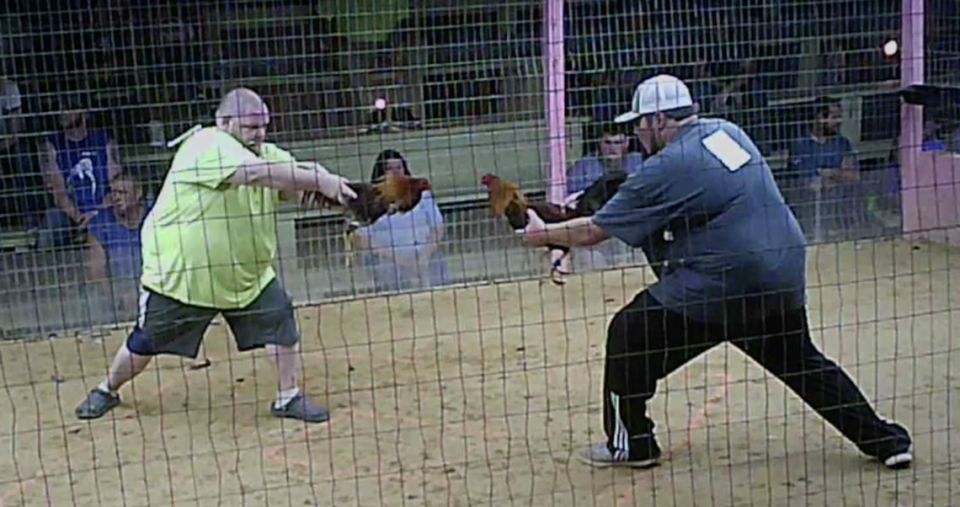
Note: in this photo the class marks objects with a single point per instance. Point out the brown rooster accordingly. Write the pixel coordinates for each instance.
(508, 200)
(394, 193)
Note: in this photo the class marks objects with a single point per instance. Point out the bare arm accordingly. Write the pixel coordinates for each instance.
(289, 178)
(578, 232)
(849, 169)
(55, 182)
(96, 260)
(113, 158)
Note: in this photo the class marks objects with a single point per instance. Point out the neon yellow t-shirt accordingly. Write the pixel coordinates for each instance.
(205, 242)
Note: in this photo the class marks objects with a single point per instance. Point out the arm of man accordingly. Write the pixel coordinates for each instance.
(113, 158)
(579, 232)
(641, 207)
(228, 162)
(305, 197)
(850, 167)
(290, 179)
(53, 178)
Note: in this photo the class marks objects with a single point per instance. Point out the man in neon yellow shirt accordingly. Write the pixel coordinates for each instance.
(208, 248)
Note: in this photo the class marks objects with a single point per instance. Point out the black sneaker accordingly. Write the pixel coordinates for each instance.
(895, 453)
(301, 408)
(97, 404)
(644, 456)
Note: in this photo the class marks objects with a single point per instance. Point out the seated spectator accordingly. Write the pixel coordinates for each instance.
(20, 197)
(77, 164)
(114, 239)
(610, 156)
(402, 250)
(113, 242)
(823, 173)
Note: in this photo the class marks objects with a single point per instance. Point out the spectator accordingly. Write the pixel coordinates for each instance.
(114, 239)
(113, 245)
(10, 128)
(402, 249)
(824, 172)
(610, 156)
(78, 163)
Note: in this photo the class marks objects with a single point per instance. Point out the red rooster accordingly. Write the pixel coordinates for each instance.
(506, 199)
(394, 193)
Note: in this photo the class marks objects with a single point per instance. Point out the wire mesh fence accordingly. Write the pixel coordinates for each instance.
(454, 372)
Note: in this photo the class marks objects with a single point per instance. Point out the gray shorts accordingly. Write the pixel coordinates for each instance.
(167, 326)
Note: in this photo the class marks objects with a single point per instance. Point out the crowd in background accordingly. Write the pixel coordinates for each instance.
(63, 180)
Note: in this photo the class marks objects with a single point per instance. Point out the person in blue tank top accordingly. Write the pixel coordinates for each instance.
(733, 270)
(77, 163)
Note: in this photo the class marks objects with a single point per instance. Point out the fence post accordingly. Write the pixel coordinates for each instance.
(555, 104)
(911, 115)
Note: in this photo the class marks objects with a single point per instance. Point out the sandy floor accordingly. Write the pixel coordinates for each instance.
(482, 396)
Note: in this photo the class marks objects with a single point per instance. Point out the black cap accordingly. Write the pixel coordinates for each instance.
(933, 96)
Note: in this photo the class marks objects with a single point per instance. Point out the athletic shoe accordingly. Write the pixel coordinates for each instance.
(97, 404)
(301, 408)
(644, 456)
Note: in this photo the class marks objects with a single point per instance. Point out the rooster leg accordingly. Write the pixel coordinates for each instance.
(557, 272)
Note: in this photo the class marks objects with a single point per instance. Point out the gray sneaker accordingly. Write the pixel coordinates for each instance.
(301, 408)
(600, 456)
(97, 404)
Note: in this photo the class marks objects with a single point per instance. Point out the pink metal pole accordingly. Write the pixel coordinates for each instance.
(554, 84)
(911, 116)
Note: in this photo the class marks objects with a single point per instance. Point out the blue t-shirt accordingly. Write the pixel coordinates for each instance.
(590, 169)
(121, 244)
(735, 242)
(808, 156)
(85, 168)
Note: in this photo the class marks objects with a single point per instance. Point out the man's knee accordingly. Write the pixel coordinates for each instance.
(138, 343)
(629, 325)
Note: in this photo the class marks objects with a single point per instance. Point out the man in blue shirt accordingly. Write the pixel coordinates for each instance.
(734, 269)
(823, 167)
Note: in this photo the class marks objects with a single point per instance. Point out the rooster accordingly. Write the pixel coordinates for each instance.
(506, 199)
(394, 193)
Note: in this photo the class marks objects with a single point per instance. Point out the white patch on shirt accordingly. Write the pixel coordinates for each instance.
(727, 150)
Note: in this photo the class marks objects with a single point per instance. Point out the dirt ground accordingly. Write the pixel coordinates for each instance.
(483, 396)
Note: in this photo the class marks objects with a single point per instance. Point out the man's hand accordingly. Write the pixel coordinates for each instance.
(571, 200)
(336, 188)
(85, 219)
(535, 233)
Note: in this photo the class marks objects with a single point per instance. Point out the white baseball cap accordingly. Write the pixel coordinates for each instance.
(657, 94)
